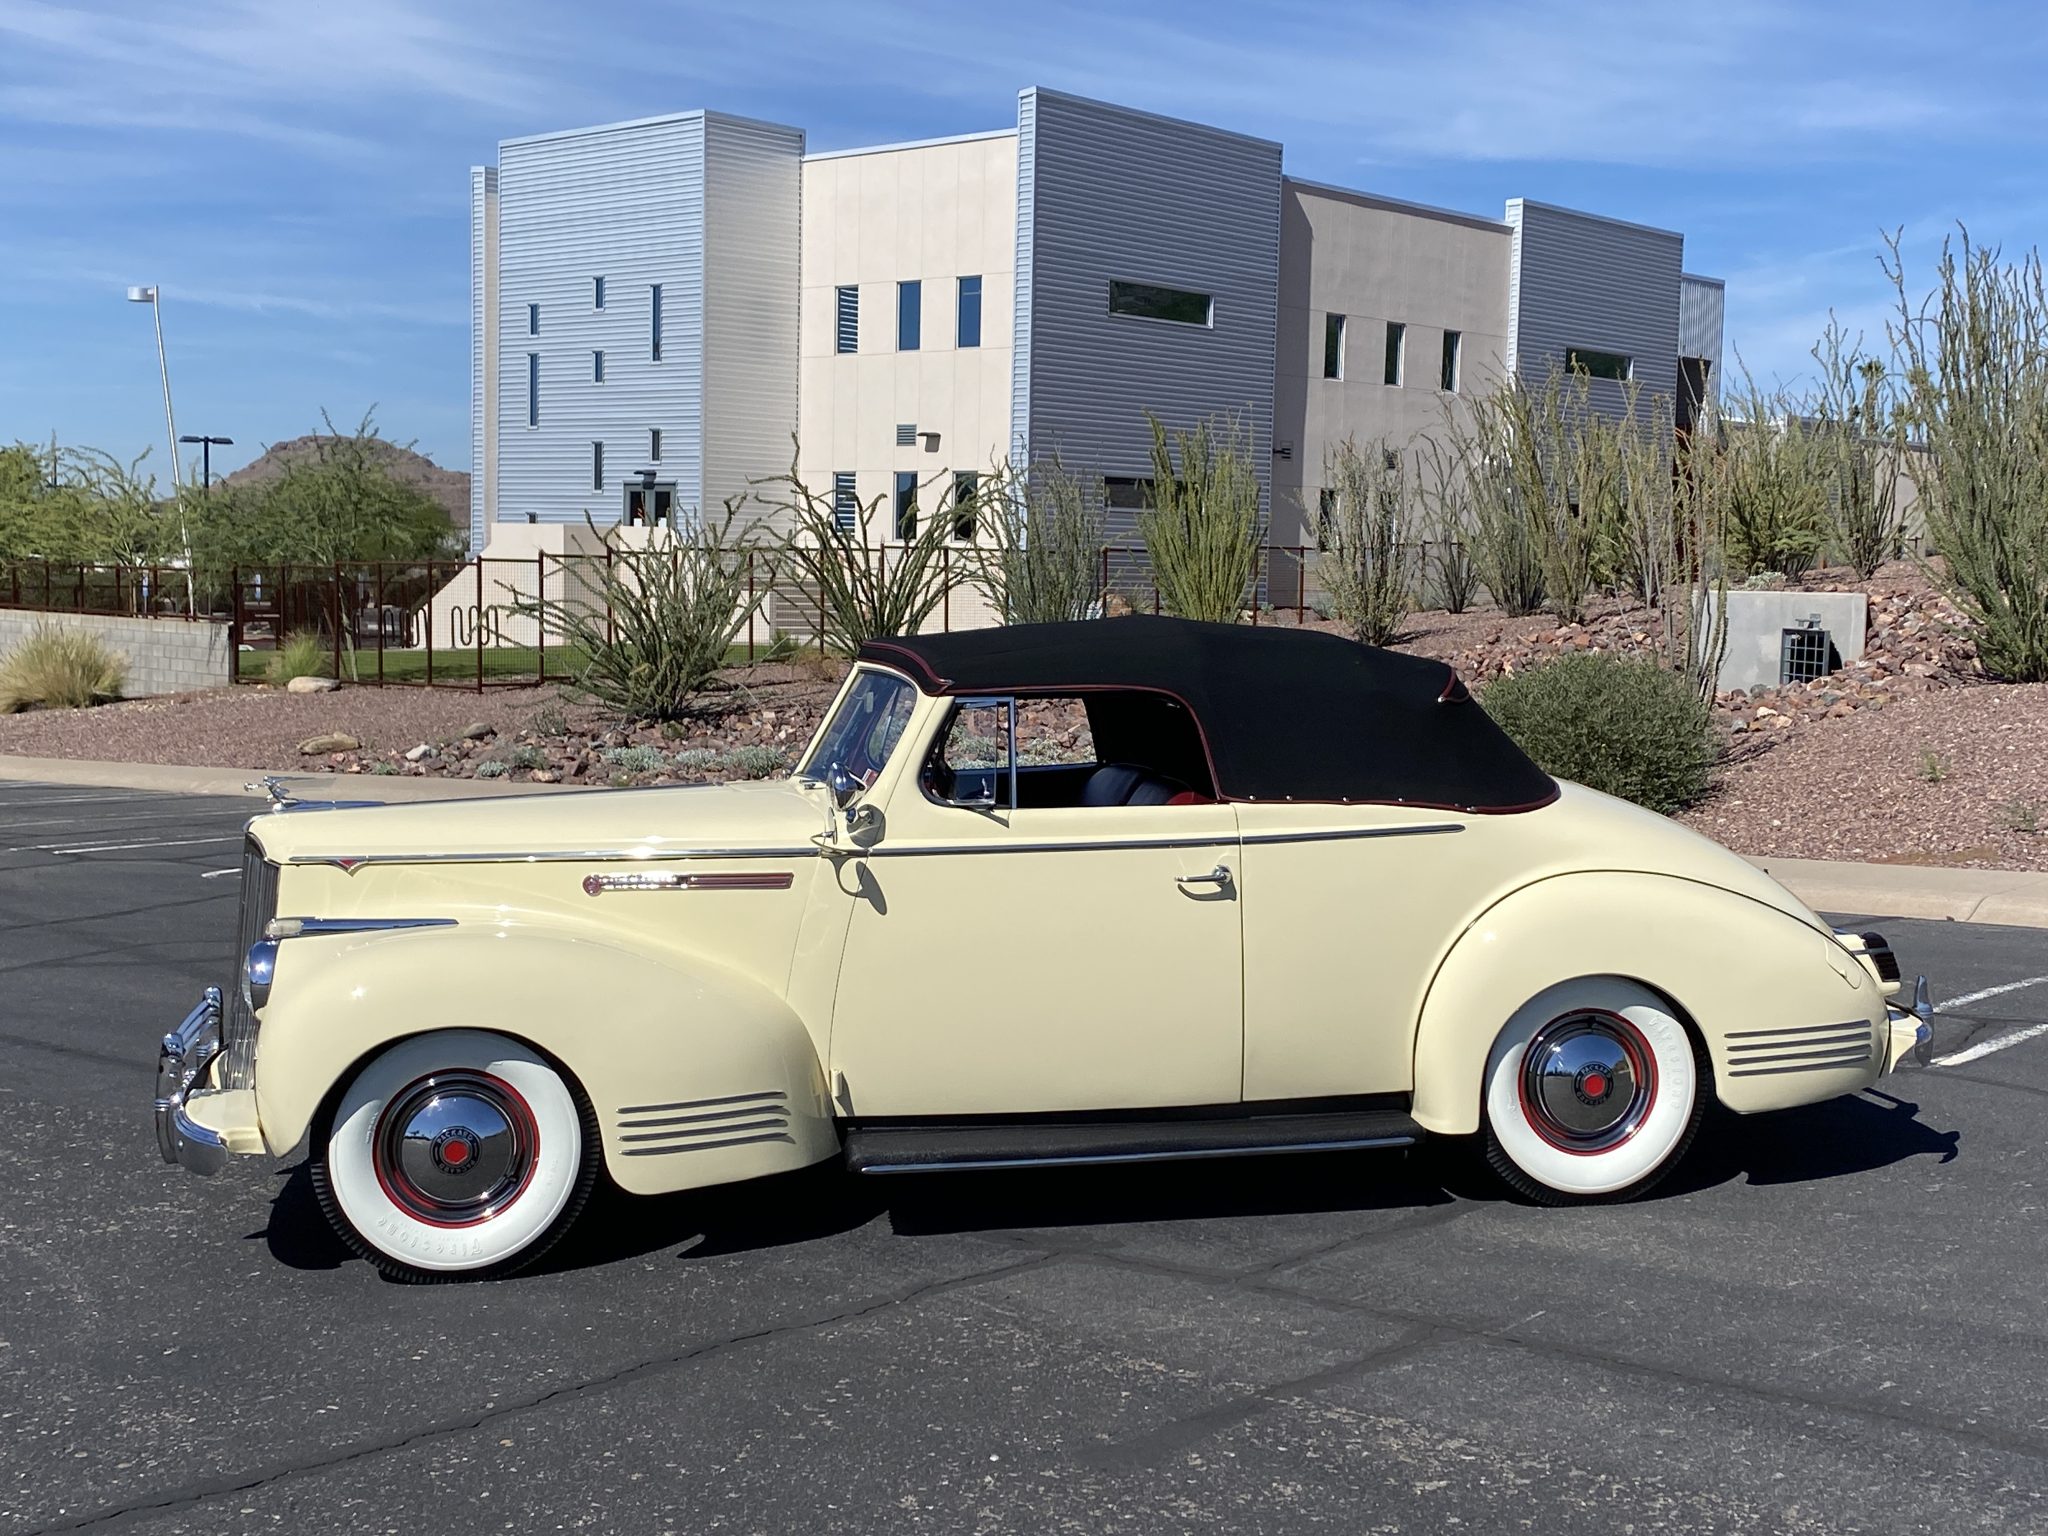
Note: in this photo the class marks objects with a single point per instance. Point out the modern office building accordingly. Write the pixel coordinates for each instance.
(662, 308)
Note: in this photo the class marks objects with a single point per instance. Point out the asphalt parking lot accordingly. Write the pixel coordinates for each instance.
(1833, 1319)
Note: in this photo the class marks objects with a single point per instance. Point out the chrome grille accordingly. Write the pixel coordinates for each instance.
(238, 1025)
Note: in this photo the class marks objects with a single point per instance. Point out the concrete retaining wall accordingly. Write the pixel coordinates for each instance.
(1757, 622)
(164, 655)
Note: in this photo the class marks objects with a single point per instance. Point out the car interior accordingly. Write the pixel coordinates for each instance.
(1108, 748)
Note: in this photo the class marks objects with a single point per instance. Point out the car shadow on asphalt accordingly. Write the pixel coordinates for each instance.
(1836, 1139)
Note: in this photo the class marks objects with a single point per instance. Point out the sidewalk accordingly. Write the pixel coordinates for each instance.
(2009, 897)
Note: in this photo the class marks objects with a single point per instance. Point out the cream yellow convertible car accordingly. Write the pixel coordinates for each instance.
(1117, 891)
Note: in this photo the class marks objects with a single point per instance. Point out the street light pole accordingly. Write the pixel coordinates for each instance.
(148, 296)
(206, 446)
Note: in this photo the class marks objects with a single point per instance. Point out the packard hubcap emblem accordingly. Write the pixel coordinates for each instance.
(1593, 1083)
(455, 1149)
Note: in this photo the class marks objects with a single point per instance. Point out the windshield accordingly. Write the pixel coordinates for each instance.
(865, 728)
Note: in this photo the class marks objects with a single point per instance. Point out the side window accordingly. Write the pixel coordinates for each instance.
(1095, 750)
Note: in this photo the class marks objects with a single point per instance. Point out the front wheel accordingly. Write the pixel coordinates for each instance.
(453, 1156)
(1593, 1092)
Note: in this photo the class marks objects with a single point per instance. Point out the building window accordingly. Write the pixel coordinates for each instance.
(533, 389)
(1148, 301)
(968, 328)
(597, 293)
(1599, 365)
(846, 322)
(909, 315)
(906, 504)
(1326, 517)
(1124, 493)
(597, 367)
(533, 319)
(966, 504)
(1333, 346)
(1397, 343)
(597, 466)
(654, 445)
(845, 504)
(1449, 380)
(654, 322)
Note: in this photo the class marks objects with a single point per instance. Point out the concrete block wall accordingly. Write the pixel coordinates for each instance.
(1757, 622)
(164, 655)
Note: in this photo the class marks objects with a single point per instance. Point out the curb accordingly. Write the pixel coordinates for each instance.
(2013, 898)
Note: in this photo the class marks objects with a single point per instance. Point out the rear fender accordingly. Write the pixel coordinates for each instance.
(698, 1075)
(1726, 962)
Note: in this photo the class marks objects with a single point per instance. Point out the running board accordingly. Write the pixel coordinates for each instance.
(959, 1148)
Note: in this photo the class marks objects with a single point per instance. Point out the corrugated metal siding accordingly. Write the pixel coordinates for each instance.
(1102, 193)
(1584, 281)
(483, 348)
(625, 203)
(1702, 303)
(753, 195)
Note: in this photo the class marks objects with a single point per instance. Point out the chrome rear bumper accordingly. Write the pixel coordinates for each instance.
(1912, 1028)
(181, 1065)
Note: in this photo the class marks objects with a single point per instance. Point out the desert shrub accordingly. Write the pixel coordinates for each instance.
(1629, 728)
(1976, 366)
(655, 625)
(58, 668)
(1201, 524)
(526, 756)
(1777, 481)
(858, 582)
(756, 762)
(636, 759)
(1362, 567)
(491, 768)
(1445, 505)
(299, 655)
(1863, 446)
(1038, 540)
(696, 759)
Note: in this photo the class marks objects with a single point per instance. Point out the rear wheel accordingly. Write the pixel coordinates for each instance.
(1593, 1092)
(452, 1156)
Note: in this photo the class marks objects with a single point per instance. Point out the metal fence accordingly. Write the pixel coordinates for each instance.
(480, 623)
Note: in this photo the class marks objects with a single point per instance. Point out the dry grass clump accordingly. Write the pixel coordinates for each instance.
(57, 668)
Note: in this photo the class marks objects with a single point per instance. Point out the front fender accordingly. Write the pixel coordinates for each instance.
(683, 1042)
(1728, 962)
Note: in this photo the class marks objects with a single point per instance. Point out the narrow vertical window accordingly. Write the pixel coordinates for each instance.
(654, 322)
(906, 504)
(845, 504)
(654, 445)
(597, 466)
(909, 315)
(1326, 517)
(597, 367)
(1333, 346)
(597, 293)
(846, 319)
(1449, 381)
(1397, 343)
(533, 319)
(966, 504)
(533, 389)
(968, 330)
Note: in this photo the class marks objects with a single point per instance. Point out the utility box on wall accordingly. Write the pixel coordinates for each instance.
(1791, 637)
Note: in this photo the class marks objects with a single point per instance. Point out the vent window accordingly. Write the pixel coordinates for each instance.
(846, 319)
(845, 504)
(906, 434)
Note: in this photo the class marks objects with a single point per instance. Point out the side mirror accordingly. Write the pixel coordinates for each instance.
(844, 786)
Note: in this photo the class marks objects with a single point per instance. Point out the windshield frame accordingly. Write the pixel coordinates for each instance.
(845, 741)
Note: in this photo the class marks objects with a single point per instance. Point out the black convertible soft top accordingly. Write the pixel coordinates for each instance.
(1285, 714)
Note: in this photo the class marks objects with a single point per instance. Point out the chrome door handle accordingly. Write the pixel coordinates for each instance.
(1218, 877)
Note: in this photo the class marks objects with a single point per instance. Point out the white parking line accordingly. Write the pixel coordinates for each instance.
(1997, 1042)
(182, 842)
(215, 874)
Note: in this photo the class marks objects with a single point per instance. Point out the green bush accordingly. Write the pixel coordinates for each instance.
(56, 668)
(298, 655)
(756, 762)
(1629, 728)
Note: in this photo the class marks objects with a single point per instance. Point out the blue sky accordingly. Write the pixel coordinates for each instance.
(295, 176)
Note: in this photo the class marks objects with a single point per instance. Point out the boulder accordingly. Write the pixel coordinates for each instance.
(478, 731)
(419, 754)
(312, 685)
(328, 741)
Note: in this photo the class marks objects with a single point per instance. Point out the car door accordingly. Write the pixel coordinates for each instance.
(1006, 958)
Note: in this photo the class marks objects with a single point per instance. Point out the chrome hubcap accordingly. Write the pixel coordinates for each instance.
(455, 1148)
(1588, 1081)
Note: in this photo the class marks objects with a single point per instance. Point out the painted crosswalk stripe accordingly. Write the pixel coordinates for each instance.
(1997, 1042)
(182, 842)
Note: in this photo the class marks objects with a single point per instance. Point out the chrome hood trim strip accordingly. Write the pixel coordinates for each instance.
(351, 862)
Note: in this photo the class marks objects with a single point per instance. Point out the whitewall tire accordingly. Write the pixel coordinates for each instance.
(457, 1155)
(1593, 1092)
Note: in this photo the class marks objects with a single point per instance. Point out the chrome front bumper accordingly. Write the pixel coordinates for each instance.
(181, 1066)
(1912, 1028)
